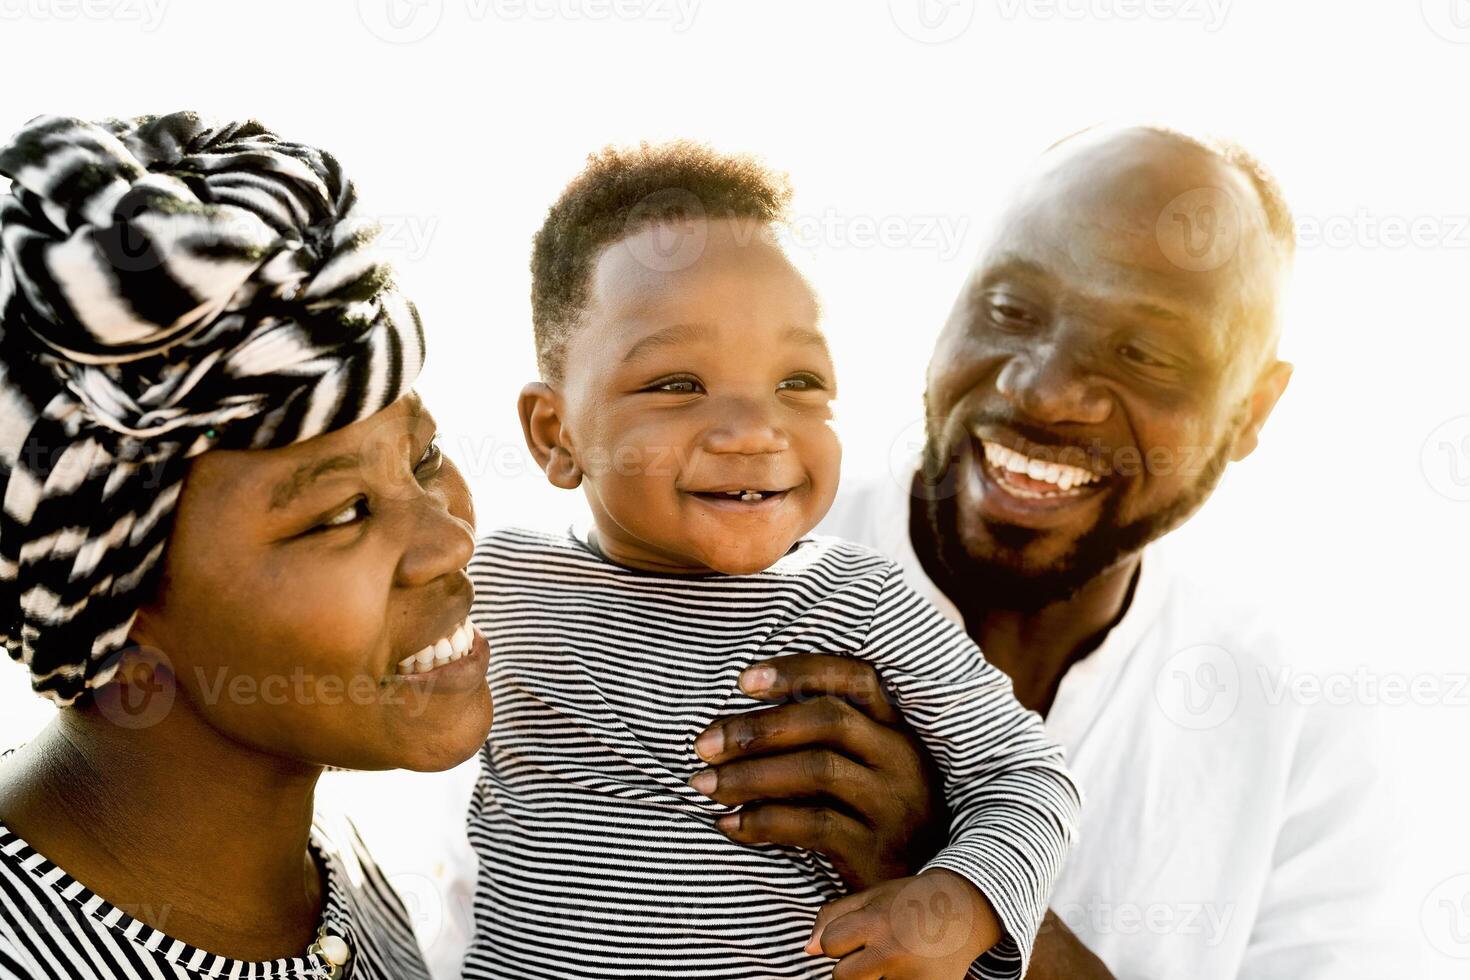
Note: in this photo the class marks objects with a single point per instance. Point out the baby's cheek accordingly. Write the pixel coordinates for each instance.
(822, 458)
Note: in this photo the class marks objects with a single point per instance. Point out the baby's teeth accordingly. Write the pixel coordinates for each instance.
(460, 641)
(408, 664)
(425, 658)
(443, 651)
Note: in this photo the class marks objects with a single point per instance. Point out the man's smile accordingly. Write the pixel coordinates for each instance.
(1008, 485)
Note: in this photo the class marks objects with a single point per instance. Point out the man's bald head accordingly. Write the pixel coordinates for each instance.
(1189, 203)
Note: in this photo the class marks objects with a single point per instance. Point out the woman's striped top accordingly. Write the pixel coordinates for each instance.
(53, 928)
(596, 859)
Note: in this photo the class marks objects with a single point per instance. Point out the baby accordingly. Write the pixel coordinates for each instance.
(687, 389)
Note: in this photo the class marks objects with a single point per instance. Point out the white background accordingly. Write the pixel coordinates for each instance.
(901, 125)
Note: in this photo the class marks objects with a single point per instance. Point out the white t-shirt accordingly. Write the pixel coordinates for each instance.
(1227, 831)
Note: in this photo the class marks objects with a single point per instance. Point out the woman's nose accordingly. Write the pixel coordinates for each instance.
(440, 544)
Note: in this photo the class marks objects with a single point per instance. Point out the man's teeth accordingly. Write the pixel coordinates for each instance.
(441, 651)
(1059, 475)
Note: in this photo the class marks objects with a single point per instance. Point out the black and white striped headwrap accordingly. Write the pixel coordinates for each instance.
(167, 286)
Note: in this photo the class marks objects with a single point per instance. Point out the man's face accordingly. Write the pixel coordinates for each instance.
(1089, 386)
(697, 405)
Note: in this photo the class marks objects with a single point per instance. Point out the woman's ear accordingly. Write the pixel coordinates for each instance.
(541, 423)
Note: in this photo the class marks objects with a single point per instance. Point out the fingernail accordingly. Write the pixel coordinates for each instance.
(814, 945)
(757, 679)
(729, 823)
(704, 782)
(710, 744)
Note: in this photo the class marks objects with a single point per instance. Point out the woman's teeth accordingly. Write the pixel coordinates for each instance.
(1059, 475)
(440, 652)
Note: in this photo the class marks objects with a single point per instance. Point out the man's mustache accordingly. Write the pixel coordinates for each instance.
(1041, 441)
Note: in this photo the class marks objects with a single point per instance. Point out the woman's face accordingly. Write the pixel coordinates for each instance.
(298, 580)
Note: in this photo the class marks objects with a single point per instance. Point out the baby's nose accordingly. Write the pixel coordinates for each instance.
(745, 429)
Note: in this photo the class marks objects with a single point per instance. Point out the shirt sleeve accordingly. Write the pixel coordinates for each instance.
(1014, 806)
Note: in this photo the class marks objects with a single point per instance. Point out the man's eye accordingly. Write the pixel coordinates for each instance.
(347, 516)
(431, 460)
(1140, 356)
(801, 382)
(1008, 313)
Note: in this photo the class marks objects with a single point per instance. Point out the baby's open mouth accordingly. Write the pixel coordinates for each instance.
(744, 496)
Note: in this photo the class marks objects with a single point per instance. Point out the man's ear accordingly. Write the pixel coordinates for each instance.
(541, 424)
(1263, 398)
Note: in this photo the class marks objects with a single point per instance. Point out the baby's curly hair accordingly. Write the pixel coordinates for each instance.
(621, 192)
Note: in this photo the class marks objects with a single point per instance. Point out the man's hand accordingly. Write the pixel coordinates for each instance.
(831, 768)
(929, 927)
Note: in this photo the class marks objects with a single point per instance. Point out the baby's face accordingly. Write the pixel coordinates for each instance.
(697, 401)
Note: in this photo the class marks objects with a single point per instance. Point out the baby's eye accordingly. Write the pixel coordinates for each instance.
(801, 382)
(677, 386)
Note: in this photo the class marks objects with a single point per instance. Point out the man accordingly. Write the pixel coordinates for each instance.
(1113, 350)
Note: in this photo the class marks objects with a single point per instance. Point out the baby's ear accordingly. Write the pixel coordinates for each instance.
(541, 423)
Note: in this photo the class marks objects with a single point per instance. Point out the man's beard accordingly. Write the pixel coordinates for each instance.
(1002, 580)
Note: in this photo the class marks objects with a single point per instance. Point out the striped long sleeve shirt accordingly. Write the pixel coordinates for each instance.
(597, 859)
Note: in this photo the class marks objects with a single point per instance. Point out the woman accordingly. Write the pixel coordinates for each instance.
(229, 548)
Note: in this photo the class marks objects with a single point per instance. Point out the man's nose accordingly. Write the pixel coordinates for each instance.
(440, 544)
(1049, 384)
(744, 426)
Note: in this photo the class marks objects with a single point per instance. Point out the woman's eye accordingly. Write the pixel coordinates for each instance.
(431, 461)
(349, 515)
(801, 382)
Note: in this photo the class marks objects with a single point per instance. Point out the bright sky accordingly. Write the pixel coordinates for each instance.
(902, 123)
